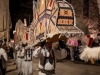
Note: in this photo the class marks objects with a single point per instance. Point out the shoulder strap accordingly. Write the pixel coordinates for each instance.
(45, 58)
(53, 58)
(25, 53)
(31, 54)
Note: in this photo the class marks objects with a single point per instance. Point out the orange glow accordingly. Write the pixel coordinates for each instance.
(42, 1)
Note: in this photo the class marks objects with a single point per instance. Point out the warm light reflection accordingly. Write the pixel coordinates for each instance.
(42, 2)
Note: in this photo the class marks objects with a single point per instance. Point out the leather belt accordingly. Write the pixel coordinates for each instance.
(47, 71)
(21, 57)
(28, 60)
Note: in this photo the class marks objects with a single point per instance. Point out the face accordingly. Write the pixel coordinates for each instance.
(28, 50)
(48, 45)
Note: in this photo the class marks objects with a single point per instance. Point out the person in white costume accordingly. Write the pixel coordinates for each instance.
(17, 48)
(90, 53)
(3, 59)
(48, 56)
(20, 59)
(15, 54)
(28, 63)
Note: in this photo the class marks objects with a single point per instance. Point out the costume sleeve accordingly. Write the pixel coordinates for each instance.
(60, 54)
(17, 48)
(3, 52)
(36, 52)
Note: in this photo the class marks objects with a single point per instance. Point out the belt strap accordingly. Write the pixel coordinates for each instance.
(47, 71)
(21, 57)
(28, 60)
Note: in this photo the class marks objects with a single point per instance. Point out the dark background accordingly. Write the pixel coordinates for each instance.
(20, 9)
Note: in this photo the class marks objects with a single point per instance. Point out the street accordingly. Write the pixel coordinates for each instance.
(63, 67)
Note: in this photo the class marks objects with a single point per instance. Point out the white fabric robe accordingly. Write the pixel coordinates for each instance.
(59, 54)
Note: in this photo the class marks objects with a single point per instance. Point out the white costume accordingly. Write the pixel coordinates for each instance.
(3, 67)
(15, 54)
(59, 54)
(20, 59)
(3, 52)
(89, 53)
(28, 63)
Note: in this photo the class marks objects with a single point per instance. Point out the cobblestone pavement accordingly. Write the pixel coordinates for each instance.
(64, 67)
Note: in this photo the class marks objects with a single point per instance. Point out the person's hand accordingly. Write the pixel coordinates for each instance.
(38, 50)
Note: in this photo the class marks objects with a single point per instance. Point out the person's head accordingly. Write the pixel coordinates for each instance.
(24, 44)
(55, 45)
(32, 48)
(28, 49)
(48, 44)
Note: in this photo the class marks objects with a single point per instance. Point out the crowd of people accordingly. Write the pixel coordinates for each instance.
(47, 52)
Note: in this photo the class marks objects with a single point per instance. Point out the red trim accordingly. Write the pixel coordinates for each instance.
(26, 36)
(90, 42)
(51, 3)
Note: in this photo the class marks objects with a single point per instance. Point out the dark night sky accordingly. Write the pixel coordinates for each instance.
(20, 9)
